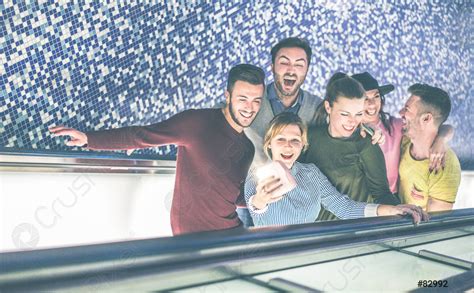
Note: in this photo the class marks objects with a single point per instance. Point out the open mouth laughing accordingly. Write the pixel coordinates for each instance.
(246, 115)
(371, 112)
(348, 128)
(404, 123)
(289, 81)
(286, 156)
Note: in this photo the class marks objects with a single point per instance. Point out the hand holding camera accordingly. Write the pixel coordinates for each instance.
(274, 181)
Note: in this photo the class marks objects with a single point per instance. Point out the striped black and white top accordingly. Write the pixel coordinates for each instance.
(303, 203)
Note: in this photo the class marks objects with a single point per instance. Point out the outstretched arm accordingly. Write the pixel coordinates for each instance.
(175, 130)
(345, 208)
(341, 205)
(415, 212)
(113, 139)
(78, 138)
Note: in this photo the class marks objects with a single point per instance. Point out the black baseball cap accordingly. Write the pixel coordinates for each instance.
(370, 83)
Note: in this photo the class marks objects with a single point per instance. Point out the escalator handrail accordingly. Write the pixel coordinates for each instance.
(191, 243)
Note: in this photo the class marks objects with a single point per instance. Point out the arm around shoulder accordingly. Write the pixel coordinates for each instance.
(440, 146)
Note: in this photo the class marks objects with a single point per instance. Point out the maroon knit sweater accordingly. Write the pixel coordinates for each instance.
(212, 163)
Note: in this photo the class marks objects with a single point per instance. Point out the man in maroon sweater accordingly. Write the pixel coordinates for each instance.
(214, 154)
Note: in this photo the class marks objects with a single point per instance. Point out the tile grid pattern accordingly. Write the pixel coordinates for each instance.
(106, 64)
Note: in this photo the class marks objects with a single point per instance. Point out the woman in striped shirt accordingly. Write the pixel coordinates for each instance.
(284, 141)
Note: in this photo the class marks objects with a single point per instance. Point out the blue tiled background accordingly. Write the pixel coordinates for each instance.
(97, 65)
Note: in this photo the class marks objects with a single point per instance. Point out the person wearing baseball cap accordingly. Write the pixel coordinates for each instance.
(376, 117)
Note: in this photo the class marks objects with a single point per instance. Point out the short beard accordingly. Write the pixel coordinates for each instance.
(279, 86)
(234, 118)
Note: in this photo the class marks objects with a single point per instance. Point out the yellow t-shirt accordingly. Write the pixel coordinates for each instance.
(417, 185)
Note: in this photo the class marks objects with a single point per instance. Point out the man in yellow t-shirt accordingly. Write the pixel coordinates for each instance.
(426, 109)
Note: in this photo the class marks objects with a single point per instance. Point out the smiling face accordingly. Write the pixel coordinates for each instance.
(345, 116)
(373, 105)
(287, 145)
(410, 118)
(289, 71)
(243, 104)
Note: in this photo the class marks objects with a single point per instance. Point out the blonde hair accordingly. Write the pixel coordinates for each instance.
(278, 123)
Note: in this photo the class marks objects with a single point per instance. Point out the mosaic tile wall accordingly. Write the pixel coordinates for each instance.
(106, 64)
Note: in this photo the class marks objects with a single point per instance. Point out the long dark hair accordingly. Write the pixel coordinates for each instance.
(385, 117)
(339, 85)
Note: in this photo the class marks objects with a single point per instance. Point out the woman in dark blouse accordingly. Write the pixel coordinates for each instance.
(353, 164)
